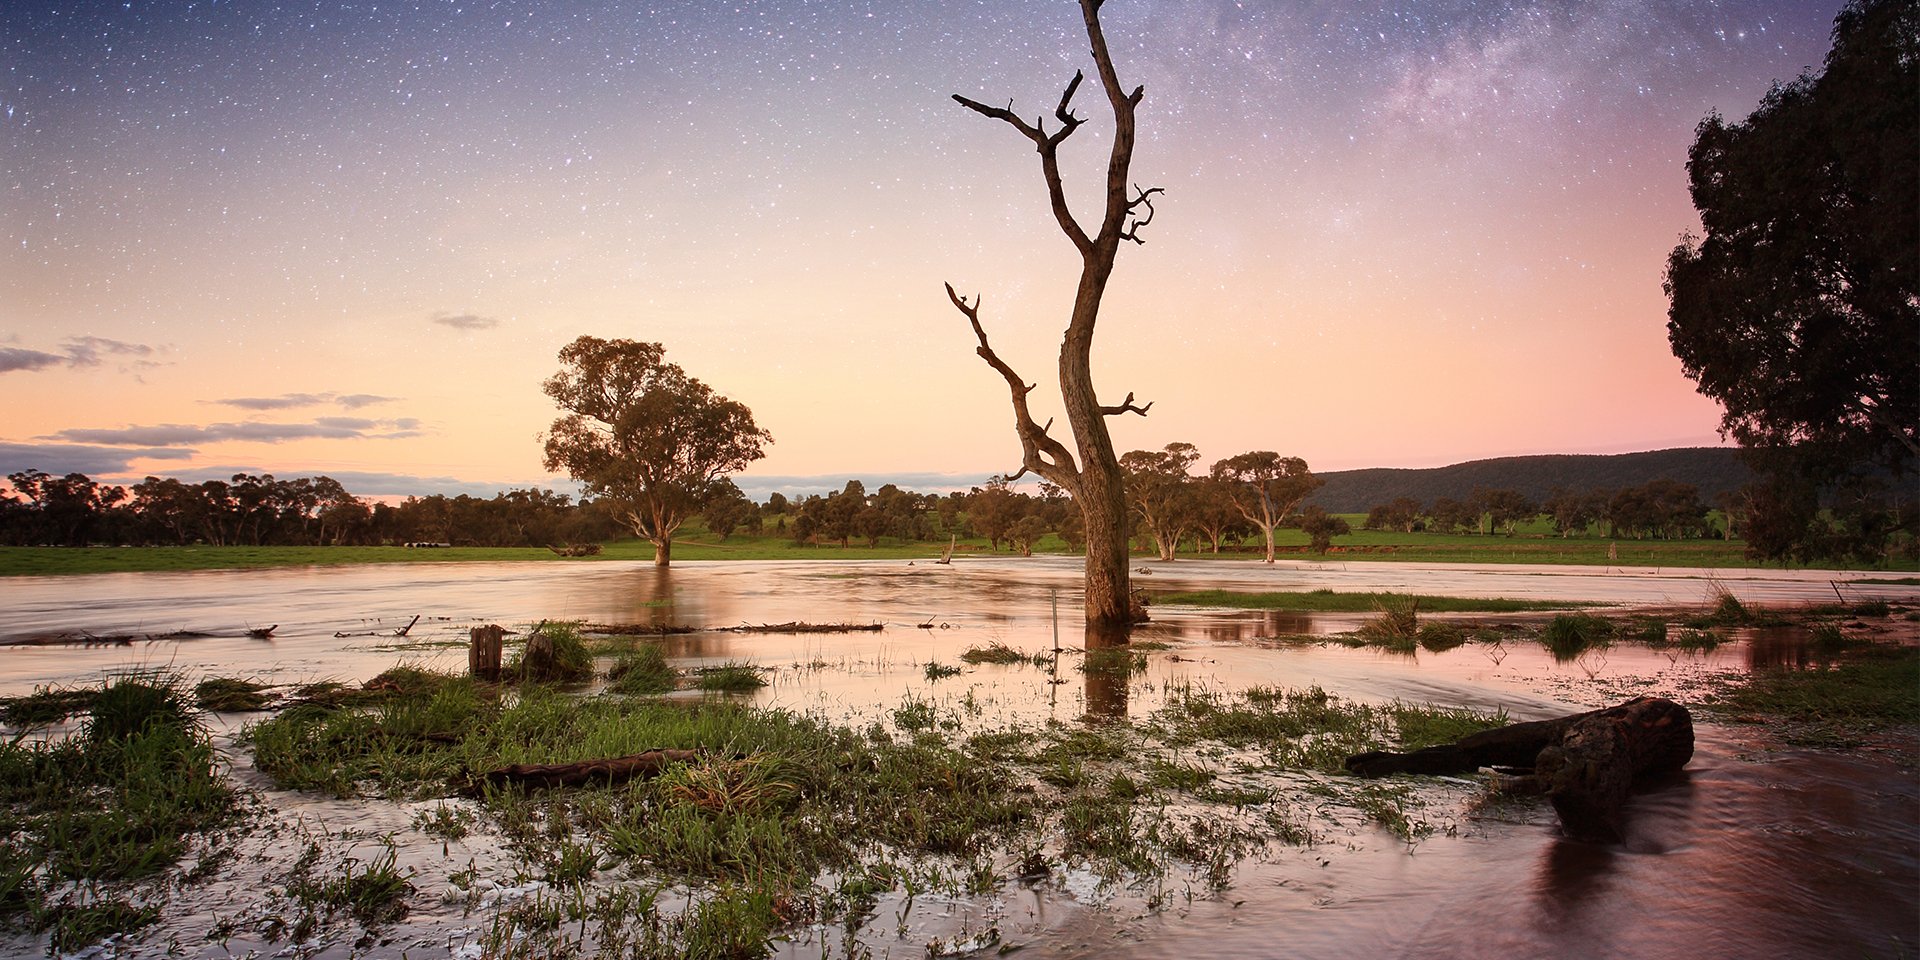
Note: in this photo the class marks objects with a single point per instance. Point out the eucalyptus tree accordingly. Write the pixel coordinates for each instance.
(643, 436)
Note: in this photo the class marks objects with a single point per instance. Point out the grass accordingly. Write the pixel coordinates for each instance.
(1869, 689)
(790, 819)
(995, 652)
(151, 781)
(1568, 635)
(229, 695)
(552, 653)
(1333, 601)
(731, 677)
(643, 670)
(46, 705)
(1533, 545)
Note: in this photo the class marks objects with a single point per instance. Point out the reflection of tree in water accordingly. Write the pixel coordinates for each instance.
(1106, 689)
(1779, 648)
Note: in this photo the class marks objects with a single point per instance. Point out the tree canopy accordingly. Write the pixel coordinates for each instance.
(1266, 487)
(1797, 310)
(639, 432)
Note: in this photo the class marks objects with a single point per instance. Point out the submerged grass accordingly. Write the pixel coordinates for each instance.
(995, 652)
(786, 818)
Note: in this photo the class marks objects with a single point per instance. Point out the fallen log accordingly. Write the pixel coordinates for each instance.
(639, 629)
(1586, 763)
(603, 772)
(797, 626)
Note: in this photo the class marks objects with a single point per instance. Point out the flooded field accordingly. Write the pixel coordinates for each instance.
(1757, 850)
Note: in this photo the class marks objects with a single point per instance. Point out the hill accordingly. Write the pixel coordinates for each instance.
(1712, 469)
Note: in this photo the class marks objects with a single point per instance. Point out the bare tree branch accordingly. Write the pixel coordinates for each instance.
(1126, 406)
(1048, 146)
(1145, 199)
(1039, 452)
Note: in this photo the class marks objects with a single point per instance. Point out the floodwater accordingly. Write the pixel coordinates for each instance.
(1754, 851)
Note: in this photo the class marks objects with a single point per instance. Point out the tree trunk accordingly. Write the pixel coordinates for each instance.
(663, 551)
(1104, 512)
(1268, 533)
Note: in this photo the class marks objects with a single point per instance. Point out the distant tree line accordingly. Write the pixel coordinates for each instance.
(1657, 509)
(247, 510)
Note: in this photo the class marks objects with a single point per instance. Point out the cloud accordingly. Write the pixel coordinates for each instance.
(465, 321)
(181, 434)
(285, 401)
(290, 401)
(62, 458)
(77, 352)
(86, 351)
(363, 483)
(19, 358)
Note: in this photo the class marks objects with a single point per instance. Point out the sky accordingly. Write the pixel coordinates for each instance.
(349, 239)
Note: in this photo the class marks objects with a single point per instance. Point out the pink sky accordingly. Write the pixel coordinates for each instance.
(354, 246)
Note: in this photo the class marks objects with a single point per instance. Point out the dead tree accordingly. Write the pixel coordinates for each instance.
(1093, 478)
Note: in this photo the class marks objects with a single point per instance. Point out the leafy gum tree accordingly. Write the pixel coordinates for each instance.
(1266, 487)
(1159, 491)
(641, 434)
(1797, 309)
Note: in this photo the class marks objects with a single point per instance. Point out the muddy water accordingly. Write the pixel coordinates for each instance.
(1752, 852)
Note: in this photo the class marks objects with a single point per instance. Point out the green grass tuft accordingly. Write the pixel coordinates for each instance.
(643, 670)
(730, 677)
(1568, 635)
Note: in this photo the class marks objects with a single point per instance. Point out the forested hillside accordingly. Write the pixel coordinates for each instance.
(1711, 469)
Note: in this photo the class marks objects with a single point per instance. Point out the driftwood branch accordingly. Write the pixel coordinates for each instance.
(1126, 406)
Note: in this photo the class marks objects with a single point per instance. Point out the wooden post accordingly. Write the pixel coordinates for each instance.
(483, 653)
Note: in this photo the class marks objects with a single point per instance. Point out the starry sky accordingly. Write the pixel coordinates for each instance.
(350, 237)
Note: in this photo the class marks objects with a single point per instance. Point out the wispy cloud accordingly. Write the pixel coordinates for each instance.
(363, 483)
(78, 352)
(181, 434)
(465, 321)
(294, 401)
(65, 458)
(15, 359)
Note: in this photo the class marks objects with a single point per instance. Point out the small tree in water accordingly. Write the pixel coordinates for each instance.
(1094, 478)
(654, 443)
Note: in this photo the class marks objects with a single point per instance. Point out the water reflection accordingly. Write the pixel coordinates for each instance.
(1106, 695)
(1779, 648)
(1107, 686)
